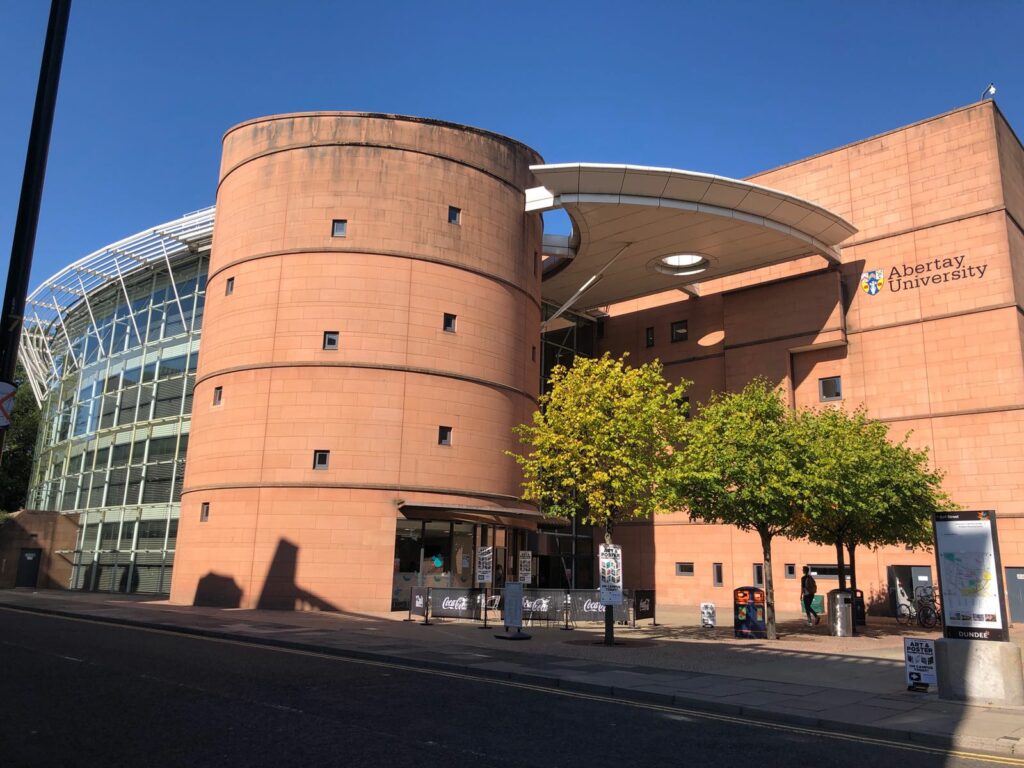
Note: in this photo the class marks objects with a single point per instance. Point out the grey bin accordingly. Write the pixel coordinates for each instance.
(840, 613)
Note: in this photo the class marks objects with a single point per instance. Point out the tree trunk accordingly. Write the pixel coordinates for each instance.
(852, 549)
(769, 587)
(609, 610)
(840, 564)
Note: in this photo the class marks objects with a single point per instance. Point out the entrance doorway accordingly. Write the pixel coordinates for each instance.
(28, 568)
(1015, 593)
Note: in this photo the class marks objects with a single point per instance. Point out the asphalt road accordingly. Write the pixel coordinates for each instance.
(79, 693)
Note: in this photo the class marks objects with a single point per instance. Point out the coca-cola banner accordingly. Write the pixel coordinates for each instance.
(543, 604)
(586, 606)
(418, 597)
(643, 604)
(456, 603)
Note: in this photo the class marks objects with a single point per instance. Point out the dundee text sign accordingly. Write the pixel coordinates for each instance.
(970, 575)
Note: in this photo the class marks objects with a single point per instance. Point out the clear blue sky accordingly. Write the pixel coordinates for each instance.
(148, 88)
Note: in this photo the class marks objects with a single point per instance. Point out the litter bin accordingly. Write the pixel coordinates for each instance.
(840, 613)
(860, 613)
(748, 612)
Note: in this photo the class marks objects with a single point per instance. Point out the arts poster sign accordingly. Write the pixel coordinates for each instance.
(919, 659)
(609, 559)
(525, 566)
(970, 575)
(485, 565)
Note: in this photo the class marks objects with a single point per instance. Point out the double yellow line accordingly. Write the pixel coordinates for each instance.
(672, 710)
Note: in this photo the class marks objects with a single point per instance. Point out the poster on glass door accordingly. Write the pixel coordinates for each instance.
(525, 566)
(484, 565)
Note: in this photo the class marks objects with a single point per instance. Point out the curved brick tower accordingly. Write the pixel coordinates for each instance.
(406, 238)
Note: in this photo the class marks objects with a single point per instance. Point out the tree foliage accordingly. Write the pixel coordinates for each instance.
(19, 446)
(858, 488)
(740, 468)
(601, 446)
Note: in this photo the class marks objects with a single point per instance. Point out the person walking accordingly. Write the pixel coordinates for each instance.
(808, 589)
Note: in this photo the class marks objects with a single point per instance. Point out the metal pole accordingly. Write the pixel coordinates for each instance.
(32, 188)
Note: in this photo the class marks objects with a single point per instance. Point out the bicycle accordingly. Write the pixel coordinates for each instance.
(925, 609)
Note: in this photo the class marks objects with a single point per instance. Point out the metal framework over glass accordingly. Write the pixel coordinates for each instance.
(111, 346)
(48, 349)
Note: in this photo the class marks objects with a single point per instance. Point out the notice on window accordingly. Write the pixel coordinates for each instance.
(609, 560)
(525, 566)
(485, 565)
(969, 575)
(919, 658)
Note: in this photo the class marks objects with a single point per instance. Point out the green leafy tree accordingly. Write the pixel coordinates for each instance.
(740, 468)
(19, 445)
(859, 488)
(602, 444)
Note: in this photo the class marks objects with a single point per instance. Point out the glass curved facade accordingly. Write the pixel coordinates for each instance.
(115, 419)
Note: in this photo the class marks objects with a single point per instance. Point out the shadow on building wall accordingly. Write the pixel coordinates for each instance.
(218, 591)
(280, 592)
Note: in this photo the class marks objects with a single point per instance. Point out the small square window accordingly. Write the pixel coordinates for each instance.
(649, 336)
(321, 459)
(790, 570)
(679, 331)
(717, 574)
(684, 569)
(218, 395)
(444, 435)
(339, 228)
(331, 339)
(204, 512)
(830, 388)
(449, 323)
(454, 215)
(229, 286)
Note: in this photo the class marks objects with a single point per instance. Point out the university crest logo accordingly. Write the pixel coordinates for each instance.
(872, 282)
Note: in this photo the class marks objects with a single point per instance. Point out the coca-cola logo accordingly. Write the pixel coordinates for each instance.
(645, 604)
(538, 605)
(455, 604)
(591, 607)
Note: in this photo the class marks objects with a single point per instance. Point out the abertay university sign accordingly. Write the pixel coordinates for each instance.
(909, 277)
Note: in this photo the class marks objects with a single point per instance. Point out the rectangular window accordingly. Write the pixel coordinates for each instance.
(649, 336)
(717, 574)
(790, 570)
(331, 339)
(454, 215)
(684, 569)
(204, 512)
(218, 395)
(444, 435)
(821, 571)
(321, 459)
(830, 388)
(229, 286)
(758, 574)
(339, 228)
(449, 323)
(679, 331)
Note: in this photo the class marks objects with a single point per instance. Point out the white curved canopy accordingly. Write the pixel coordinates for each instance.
(627, 219)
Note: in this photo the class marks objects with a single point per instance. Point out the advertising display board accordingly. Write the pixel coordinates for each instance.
(919, 658)
(512, 615)
(418, 601)
(525, 566)
(643, 604)
(970, 576)
(708, 617)
(484, 565)
(609, 561)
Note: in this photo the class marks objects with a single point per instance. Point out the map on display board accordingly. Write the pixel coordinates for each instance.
(967, 553)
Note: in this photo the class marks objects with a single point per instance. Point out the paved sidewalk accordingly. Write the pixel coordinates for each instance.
(852, 685)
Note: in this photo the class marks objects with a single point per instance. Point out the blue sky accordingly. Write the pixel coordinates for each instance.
(148, 88)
